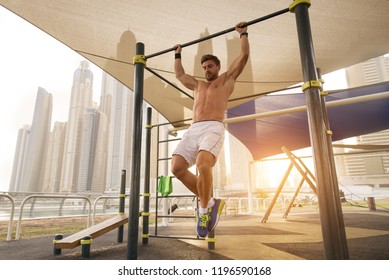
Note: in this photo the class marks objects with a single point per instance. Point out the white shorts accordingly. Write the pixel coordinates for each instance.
(201, 136)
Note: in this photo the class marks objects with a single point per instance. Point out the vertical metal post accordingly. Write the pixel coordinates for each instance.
(133, 219)
(122, 197)
(334, 177)
(146, 194)
(330, 225)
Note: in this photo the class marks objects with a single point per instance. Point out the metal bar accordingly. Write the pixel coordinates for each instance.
(11, 216)
(178, 195)
(146, 188)
(298, 109)
(273, 202)
(328, 217)
(163, 159)
(293, 198)
(122, 199)
(106, 197)
(178, 216)
(34, 196)
(300, 166)
(334, 177)
(133, 218)
(156, 186)
(262, 93)
(220, 33)
(177, 237)
(169, 140)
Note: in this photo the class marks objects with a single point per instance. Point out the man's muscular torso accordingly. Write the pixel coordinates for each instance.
(211, 98)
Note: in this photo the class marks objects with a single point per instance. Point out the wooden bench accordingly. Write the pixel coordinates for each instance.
(85, 236)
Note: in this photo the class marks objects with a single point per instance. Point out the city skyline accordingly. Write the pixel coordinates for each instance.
(32, 59)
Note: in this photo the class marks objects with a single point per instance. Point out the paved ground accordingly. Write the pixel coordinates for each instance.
(240, 237)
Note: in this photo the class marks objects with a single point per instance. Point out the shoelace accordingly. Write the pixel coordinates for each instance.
(204, 218)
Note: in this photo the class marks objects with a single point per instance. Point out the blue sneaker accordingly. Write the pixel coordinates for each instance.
(202, 224)
(215, 213)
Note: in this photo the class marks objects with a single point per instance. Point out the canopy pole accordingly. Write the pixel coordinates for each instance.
(335, 184)
(133, 219)
(146, 186)
(220, 33)
(330, 224)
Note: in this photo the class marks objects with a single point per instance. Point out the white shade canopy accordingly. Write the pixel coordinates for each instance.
(106, 32)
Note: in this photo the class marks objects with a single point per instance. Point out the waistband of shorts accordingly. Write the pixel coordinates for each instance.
(217, 121)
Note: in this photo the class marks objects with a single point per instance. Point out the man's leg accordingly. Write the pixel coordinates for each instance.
(211, 208)
(180, 170)
(204, 162)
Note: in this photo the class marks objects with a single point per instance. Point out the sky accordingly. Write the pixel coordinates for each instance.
(30, 58)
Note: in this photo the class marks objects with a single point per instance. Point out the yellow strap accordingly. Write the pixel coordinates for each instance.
(146, 194)
(311, 84)
(86, 242)
(324, 93)
(145, 214)
(298, 2)
(329, 132)
(149, 126)
(140, 59)
(122, 195)
(145, 235)
(210, 239)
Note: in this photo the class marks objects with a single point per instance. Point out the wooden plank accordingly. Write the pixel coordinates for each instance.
(95, 231)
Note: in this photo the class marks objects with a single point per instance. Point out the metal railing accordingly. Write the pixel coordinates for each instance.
(34, 196)
(106, 197)
(11, 216)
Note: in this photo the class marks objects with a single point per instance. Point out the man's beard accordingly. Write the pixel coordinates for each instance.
(210, 77)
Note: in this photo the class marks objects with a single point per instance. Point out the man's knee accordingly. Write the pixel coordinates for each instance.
(205, 161)
(179, 167)
(178, 171)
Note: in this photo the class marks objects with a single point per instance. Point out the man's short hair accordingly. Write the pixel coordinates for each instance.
(210, 57)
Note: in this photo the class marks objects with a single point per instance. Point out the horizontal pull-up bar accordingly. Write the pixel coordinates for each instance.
(220, 33)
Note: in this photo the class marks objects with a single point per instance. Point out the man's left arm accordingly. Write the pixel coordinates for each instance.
(239, 63)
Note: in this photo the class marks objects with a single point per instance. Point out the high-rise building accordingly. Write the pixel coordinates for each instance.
(372, 71)
(20, 153)
(31, 150)
(116, 104)
(54, 158)
(88, 148)
(80, 100)
(100, 156)
(367, 168)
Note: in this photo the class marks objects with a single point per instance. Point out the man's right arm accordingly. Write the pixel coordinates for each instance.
(187, 80)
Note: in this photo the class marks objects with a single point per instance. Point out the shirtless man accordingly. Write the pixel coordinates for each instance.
(203, 141)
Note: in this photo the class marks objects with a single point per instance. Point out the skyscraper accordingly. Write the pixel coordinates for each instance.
(54, 158)
(80, 100)
(372, 71)
(20, 153)
(368, 168)
(88, 148)
(30, 155)
(116, 102)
